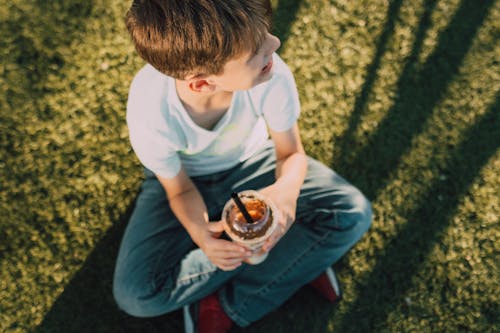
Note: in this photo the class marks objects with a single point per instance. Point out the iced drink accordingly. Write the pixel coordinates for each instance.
(252, 235)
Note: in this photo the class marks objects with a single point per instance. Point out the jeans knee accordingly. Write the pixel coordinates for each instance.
(355, 217)
(129, 295)
(365, 212)
(124, 296)
(140, 296)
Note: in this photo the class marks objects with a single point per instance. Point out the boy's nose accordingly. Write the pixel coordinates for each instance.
(274, 44)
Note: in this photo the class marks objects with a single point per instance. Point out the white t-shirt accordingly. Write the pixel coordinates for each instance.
(164, 137)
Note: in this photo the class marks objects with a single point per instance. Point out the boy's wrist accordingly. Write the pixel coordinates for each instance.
(198, 232)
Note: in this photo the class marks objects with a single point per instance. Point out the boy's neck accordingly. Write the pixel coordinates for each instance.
(202, 102)
(205, 109)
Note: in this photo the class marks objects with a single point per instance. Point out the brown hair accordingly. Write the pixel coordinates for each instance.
(193, 37)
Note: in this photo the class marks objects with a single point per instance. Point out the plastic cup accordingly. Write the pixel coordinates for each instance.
(251, 235)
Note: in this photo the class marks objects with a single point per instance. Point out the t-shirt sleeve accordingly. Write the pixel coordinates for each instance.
(155, 153)
(153, 142)
(280, 101)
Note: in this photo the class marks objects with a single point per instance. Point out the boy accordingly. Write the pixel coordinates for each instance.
(200, 115)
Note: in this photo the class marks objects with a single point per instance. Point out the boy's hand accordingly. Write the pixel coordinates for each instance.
(286, 205)
(222, 253)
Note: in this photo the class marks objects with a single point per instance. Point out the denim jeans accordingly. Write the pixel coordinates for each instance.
(159, 269)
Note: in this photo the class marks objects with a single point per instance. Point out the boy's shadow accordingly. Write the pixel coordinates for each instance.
(87, 304)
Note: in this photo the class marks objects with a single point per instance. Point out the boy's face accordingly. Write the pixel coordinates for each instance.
(248, 70)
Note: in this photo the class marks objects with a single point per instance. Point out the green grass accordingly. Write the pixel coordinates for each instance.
(400, 97)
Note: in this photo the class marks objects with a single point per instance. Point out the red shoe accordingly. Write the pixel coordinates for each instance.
(211, 317)
(327, 286)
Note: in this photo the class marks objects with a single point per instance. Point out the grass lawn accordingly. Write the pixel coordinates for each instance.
(400, 97)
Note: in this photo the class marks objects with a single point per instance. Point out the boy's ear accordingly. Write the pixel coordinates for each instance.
(201, 85)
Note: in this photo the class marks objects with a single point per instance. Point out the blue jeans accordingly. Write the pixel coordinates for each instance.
(159, 269)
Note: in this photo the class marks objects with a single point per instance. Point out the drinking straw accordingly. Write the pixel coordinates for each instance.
(241, 206)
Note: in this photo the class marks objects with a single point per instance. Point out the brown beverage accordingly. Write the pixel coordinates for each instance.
(250, 234)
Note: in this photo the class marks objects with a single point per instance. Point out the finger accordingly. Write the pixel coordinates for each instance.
(233, 255)
(229, 257)
(224, 246)
(271, 242)
(228, 268)
(269, 245)
(215, 227)
(229, 265)
(232, 261)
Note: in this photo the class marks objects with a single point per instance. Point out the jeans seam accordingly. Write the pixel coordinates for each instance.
(196, 275)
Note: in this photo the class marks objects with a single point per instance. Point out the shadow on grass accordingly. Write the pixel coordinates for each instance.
(371, 75)
(419, 90)
(53, 25)
(392, 275)
(32, 37)
(87, 304)
(283, 17)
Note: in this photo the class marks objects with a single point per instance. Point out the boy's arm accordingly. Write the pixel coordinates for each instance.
(291, 166)
(188, 206)
(291, 169)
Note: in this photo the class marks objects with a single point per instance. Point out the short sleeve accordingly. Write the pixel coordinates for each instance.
(154, 153)
(151, 135)
(280, 101)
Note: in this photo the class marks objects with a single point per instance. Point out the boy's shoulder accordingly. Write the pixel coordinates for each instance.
(149, 97)
(149, 87)
(147, 79)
